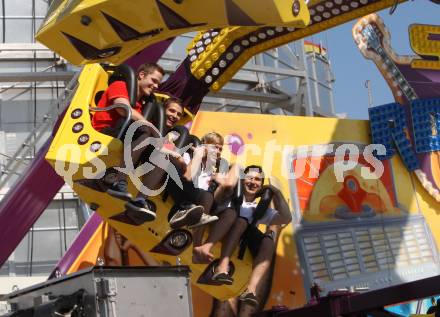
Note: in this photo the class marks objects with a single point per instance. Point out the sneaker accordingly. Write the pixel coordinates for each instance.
(223, 278)
(249, 298)
(187, 216)
(119, 190)
(141, 210)
(204, 220)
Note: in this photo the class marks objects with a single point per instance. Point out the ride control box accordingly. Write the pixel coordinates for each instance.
(109, 292)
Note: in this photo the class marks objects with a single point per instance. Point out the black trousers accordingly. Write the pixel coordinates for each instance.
(189, 193)
(141, 155)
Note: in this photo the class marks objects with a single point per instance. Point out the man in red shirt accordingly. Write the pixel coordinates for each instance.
(149, 76)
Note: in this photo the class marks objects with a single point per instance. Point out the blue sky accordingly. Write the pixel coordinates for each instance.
(352, 70)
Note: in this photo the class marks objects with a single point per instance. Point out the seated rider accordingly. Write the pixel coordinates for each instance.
(195, 176)
(116, 245)
(192, 213)
(197, 180)
(261, 245)
(173, 113)
(149, 76)
(210, 173)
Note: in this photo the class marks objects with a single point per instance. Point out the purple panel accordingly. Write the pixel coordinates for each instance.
(184, 85)
(77, 246)
(425, 82)
(25, 202)
(434, 37)
(150, 54)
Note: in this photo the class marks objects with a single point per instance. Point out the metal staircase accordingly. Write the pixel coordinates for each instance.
(18, 163)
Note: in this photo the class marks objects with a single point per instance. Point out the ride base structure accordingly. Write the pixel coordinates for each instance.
(108, 291)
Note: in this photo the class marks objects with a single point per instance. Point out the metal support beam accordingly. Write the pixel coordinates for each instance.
(29, 77)
(248, 67)
(249, 95)
(21, 56)
(315, 81)
(308, 92)
(275, 71)
(26, 52)
(23, 47)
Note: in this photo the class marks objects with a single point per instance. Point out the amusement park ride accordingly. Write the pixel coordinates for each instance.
(366, 230)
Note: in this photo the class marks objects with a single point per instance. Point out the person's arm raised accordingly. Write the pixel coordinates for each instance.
(284, 216)
(195, 164)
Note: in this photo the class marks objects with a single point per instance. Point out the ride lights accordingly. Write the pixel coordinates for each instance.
(202, 43)
(179, 239)
(296, 8)
(235, 50)
(329, 9)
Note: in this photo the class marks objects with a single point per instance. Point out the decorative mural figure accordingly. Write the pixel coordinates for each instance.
(415, 84)
(324, 198)
(118, 251)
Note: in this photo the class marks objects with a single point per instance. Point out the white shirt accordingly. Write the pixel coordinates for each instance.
(247, 210)
(203, 178)
(202, 182)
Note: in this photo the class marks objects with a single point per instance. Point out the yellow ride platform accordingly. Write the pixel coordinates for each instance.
(111, 30)
(79, 153)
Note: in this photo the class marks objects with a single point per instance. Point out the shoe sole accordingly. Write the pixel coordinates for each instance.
(215, 278)
(120, 195)
(249, 301)
(139, 215)
(192, 217)
(202, 223)
(224, 282)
